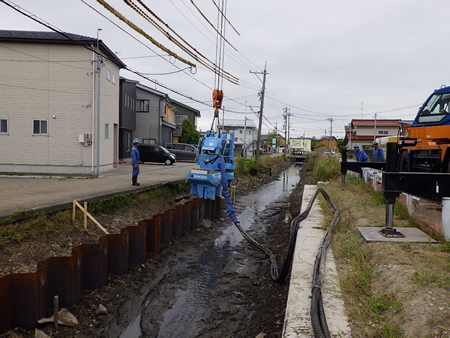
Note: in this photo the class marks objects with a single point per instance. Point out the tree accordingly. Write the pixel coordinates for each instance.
(190, 135)
(341, 145)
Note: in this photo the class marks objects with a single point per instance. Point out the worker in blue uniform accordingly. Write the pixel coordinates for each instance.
(378, 153)
(361, 156)
(135, 159)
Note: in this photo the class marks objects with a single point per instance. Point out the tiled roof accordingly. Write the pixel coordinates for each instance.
(380, 123)
(33, 36)
(57, 38)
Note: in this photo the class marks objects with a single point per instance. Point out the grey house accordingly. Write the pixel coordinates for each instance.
(155, 116)
(183, 112)
(127, 116)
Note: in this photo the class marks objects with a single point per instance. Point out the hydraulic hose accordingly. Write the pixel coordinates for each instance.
(318, 318)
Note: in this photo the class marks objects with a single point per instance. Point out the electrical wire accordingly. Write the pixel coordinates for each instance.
(140, 31)
(211, 66)
(220, 33)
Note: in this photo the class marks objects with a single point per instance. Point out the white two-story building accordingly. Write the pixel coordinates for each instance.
(59, 111)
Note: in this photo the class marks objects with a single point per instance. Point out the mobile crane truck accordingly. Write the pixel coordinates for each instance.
(424, 145)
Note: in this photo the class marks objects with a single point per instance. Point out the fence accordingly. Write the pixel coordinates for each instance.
(27, 297)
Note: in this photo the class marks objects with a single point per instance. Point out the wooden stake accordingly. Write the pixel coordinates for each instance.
(85, 216)
(74, 203)
(55, 311)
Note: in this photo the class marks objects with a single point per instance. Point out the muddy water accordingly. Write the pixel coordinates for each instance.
(185, 304)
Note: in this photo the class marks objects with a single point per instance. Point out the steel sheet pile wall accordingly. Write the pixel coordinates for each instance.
(27, 297)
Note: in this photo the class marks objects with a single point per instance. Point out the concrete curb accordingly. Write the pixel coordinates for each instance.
(297, 322)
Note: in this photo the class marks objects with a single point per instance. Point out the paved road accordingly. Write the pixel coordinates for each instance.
(20, 194)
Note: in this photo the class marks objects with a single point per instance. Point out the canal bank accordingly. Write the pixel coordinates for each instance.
(121, 289)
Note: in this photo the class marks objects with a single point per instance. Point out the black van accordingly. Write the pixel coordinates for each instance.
(156, 153)
(183, 151)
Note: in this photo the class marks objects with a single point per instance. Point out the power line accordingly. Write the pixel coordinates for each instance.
(211, 66)
(140, 31)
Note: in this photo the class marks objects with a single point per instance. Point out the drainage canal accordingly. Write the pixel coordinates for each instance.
(190, 294)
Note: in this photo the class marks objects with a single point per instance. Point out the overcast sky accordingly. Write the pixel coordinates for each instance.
(327, 60)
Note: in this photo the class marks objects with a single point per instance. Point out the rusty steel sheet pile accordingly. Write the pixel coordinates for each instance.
(28, 297)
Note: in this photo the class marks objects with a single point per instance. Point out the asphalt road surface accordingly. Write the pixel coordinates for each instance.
(19, 194)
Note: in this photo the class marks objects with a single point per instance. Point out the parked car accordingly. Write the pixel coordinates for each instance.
(184, 152)
(156, 153)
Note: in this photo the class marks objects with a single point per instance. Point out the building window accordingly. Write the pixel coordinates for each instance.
(382, 132)
(40, 127)
(113, 78)
(240, 131)
(179, 119)
(108, 75)
(3, 126)
(128, 142)
(106, 130)
(142, 105)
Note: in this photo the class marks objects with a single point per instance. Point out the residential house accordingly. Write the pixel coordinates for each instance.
(299, 145)
(183, 112)
(245, 135)
(363, 132)
(327, 144)
(127, 116)
(281, 143)
(155, 116)
(54, 120)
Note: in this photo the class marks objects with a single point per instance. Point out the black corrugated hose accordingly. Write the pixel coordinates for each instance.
(318, 318)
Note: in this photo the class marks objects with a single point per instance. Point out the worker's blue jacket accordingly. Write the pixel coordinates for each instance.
(361, 156)
(135, 157)
(378, 155)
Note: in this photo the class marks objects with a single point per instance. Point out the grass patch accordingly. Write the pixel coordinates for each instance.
(426, 278)
(357, 202)
(323, 167)
(13, 232)
(121, 201)
(249, 167)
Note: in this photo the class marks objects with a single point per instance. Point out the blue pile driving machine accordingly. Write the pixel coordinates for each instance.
(216, 171)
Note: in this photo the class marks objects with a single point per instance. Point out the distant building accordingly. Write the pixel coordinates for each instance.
(299, 145)
(327, 144)
(245, 135)
(363, 132)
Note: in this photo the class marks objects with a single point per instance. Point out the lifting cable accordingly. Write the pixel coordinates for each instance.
(208, 64)
(318, 318)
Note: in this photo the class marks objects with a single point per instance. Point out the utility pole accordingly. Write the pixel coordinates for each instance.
(245, 133)
(331, 132)
(285, 128)
(99, 62)
(289, 129)
(375, 128)
(258, 140)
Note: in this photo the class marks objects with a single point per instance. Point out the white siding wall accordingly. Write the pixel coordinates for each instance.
(368, 131)
(53, 80)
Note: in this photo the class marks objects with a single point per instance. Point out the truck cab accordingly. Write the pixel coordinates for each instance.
(425, 144)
